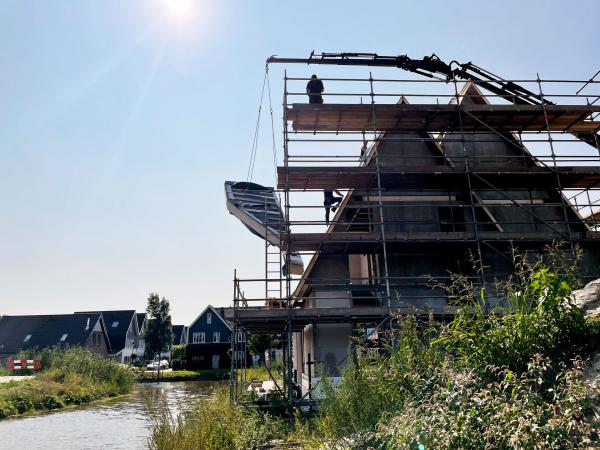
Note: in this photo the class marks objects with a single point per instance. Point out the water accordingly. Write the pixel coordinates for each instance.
(117, 424)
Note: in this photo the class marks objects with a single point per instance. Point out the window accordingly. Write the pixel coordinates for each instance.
(240, 336)
(115, 324)
(216, 336)
(198, 337)
(209, 318)
(64, 337)
(27, 338)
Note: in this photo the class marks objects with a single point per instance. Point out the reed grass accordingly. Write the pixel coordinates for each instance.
(70, 377)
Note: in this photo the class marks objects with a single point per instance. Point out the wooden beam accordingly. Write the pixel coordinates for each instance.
(440, 118)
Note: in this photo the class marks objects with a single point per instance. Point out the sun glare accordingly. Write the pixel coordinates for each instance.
(180, 9)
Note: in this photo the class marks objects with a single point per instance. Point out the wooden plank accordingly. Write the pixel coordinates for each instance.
(342, 177)
(440, 118)
(257, 318)
(359, 241)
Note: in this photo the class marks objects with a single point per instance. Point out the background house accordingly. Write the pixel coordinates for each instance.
(140, 348)
(180, 334)
(19, 333)
(209, 341)
(123, 334)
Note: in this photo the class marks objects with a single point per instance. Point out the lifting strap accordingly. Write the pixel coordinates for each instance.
(253, 150)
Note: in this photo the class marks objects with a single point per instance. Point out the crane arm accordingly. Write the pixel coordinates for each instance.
(432, 67)
(429, 66)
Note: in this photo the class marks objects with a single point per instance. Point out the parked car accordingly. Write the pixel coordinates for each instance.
(155, 365)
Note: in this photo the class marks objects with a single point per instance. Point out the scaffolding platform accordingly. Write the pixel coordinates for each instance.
(365, 177)
(442, 118)
(267, 320)
(361, 242)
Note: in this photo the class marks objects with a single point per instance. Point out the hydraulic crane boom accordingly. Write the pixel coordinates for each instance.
(430, 66)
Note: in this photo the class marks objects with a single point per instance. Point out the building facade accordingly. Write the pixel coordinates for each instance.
(209, 342)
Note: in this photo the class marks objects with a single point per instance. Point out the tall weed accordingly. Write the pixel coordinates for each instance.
(214, 423)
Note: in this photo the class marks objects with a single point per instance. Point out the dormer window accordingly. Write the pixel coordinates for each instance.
(27, 338)
(115, 324)
(209, 318)
(64, 337)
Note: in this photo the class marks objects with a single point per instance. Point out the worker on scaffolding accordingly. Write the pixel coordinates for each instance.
(314, 89)
(329, 200)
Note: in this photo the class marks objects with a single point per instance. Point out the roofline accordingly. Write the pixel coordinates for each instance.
(133, 316)
(213, 310)
(104, 330)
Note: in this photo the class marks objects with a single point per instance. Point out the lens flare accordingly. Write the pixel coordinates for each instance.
(180, 8)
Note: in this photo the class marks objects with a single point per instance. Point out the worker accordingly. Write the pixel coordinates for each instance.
(363, 151)
(314, 89)
(329, 200)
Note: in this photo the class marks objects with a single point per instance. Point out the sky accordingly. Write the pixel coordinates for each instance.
(121, 119)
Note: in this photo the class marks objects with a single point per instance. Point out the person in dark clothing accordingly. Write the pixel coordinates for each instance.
(314, 89)
(329, 200)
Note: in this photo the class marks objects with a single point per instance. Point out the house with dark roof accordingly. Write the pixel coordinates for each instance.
(209, 341)
(123, 333)
(179, 334)
(34, 332)
(140, 348)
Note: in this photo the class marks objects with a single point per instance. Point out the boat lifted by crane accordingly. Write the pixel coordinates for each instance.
(258, 208)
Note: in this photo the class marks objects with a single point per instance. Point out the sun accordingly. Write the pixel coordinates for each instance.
(180, 9)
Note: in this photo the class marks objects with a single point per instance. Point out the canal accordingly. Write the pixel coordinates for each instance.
(115, 424)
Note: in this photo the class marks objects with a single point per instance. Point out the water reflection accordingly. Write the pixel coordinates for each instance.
(117, 424)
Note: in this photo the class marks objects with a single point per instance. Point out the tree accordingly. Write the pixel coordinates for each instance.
(179, 357)
(158, 336)
(258, 344)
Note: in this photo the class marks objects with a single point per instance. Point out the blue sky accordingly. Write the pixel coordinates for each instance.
(120, 120)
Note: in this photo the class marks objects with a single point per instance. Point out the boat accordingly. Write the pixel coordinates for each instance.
(258, 208)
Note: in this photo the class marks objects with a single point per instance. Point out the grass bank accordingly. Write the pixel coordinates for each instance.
(70, 377)
(503, 379)
(183, 375)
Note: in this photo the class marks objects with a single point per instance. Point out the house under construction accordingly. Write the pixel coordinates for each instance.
(436, 172)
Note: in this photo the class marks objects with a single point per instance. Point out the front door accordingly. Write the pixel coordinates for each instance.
(215, 361)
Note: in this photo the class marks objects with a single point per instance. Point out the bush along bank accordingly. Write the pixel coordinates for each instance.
(70, 377)
(502, 379)
(149, 376)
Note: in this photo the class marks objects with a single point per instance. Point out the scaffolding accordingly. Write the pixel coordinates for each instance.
(498, 173)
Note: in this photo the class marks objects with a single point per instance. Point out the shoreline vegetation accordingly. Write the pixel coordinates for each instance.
(69, 377)
(149, 376)
(507, 379)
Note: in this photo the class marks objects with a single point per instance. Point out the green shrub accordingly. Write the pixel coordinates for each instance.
(22, 403)
(52, 402)
(178, 357)
(7, 409)
(513, 412)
